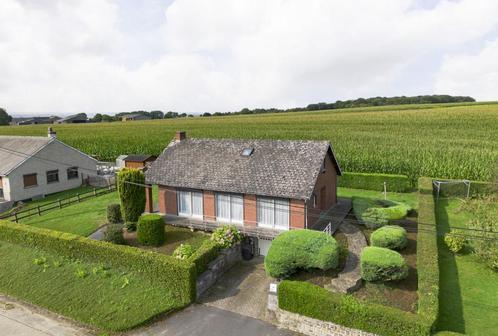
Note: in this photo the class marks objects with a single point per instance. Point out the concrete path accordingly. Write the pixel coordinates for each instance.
(201, 320)
(335, 215)
(23, 320)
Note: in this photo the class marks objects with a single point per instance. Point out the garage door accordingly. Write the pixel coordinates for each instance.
(264, 246)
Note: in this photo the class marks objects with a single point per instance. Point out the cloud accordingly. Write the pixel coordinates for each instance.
(64, 56)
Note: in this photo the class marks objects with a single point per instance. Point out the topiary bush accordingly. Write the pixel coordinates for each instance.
(114, 213)
(382, 264)
(454, 241)
(226, 236)
(301, 249)
(390, 236)
(114, 234)
(184, 251)
(131, 226)
(375, 213)
(132, 194)
(150, 230)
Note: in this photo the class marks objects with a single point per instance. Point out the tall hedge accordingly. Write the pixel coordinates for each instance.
(176, 275)
(131, 193)
(372, 181)
(150, 230)
(306, 299)
(207, 252)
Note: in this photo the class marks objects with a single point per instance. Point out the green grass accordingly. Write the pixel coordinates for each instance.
(409, 198)
(111, 299)
(468, 300)
(444, 140)
(79, 218)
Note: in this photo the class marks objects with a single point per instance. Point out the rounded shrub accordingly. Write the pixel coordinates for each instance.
(374, 214)
(114, 234)
(131, 193)
(184, 251)
(131, 226)
(455, 241)
(150, 230)
(226, 236)
(382, 264)
(390, 236)
(301, 249)
(114, 213)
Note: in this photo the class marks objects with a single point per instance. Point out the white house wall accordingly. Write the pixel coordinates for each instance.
(54, 156)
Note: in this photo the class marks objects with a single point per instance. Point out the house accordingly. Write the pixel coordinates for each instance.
(138, 161)
(134, 117)
(31, 167)
(35, 120)
(73, 119)
(264, 184)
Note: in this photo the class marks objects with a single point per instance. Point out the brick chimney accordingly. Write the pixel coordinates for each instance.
(180, 135)
(51, 133)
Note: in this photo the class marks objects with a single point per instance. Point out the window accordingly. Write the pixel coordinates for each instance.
(273, 213)
(52, 176)
(190, 204)
(72, 173)
(229, 208)
(30, 180)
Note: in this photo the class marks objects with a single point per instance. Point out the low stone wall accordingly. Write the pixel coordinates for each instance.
(217, 267)
(307, 325)
(5, 206)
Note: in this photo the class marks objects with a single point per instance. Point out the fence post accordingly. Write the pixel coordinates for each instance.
(15, 217)
(60, 203)
(39, 212)
(78, 196)
(94, 191)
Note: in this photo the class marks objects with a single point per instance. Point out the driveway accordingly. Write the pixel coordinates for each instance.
(242, 290)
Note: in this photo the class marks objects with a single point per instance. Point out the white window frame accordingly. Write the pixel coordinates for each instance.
(191, 196)
(269, 203)
(229, 220)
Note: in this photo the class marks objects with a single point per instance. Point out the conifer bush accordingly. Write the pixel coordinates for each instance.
(131, 193)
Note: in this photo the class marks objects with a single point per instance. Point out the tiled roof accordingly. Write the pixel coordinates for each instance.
(16, 149)
(137, 157)
(277, 168)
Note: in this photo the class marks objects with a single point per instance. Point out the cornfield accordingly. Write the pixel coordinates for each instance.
(443, 141)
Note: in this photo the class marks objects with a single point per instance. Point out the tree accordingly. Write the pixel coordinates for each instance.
(108, 118)
(156, 114)
(131, 193)
(171, 114)
(97, 118)
(5, 119)
(206, 114)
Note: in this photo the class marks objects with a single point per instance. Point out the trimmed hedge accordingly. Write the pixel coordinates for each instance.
(150, 230)
(114, 234)
(316, 302)
(373, 215)
(114, 213)
(427, 252)
(372, 181)
(382, 264)
(390, 236)
(207, 252)
(132, 194)
(296, 249)
(477, 188)
(176, 275)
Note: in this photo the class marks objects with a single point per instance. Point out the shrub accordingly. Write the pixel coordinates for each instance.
(292, 250)
(226, 236)
(374, 214)
(132, 195)
(114, 234)
(131, 226)
(207, 252)
(381, 264)
(114, 213)
(316, 302)
(455, 241)
(184, 251)
(371, 181)
(390, 236)
(150, 230)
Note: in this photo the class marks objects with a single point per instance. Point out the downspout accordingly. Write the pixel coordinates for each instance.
(305, 214)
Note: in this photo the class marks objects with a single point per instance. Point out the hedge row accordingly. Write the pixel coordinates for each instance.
(207, 252)
(427, 252)
(176, 275)
(316, 302)
(460, 189)
(371, 181)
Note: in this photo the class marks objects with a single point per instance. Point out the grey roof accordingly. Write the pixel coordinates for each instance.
(138, 157)
(277, 168)
(14, 150)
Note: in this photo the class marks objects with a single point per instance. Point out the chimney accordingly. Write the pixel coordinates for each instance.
(51, 133)
(180, 135)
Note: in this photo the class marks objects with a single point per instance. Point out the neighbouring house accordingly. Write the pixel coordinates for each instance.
(35, 120)
(138, 161)
(265, 184)
(134, 117)
(73, 119)
(31, 167)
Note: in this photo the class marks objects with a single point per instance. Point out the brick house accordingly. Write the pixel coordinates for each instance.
(268, 184)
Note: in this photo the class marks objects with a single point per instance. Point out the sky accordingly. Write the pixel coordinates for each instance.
(107, 56)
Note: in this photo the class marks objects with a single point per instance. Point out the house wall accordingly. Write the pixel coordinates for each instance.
(134, 164)
(325, 191)
(167, 200)
(55, 156)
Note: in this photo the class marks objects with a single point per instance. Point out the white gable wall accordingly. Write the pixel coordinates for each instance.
(54, 156)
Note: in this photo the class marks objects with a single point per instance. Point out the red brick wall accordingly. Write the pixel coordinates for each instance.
(149, 203)
(208, 203)
(250, 214)
(167, 200)
(297, 214)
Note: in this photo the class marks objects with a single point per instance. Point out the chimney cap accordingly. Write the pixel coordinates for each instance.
(51, 133)
(180, 135)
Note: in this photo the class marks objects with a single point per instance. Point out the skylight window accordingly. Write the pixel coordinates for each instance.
(247, 151)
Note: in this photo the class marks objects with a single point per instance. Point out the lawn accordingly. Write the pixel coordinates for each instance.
(111, 299)
(408, 198)
(79, 218)
(468, 300)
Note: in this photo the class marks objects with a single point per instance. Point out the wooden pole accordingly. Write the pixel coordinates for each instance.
(60, 203)
(78, 196)
(94, 191)
(15, 217)
(385, 191)
(39, 212)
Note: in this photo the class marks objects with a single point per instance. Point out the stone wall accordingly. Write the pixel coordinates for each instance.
(6, 205)
(226, 259)
(307, 325)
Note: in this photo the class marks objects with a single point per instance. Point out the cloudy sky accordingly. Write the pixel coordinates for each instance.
(66, 56)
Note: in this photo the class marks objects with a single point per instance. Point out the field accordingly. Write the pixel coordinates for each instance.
(451, 141)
